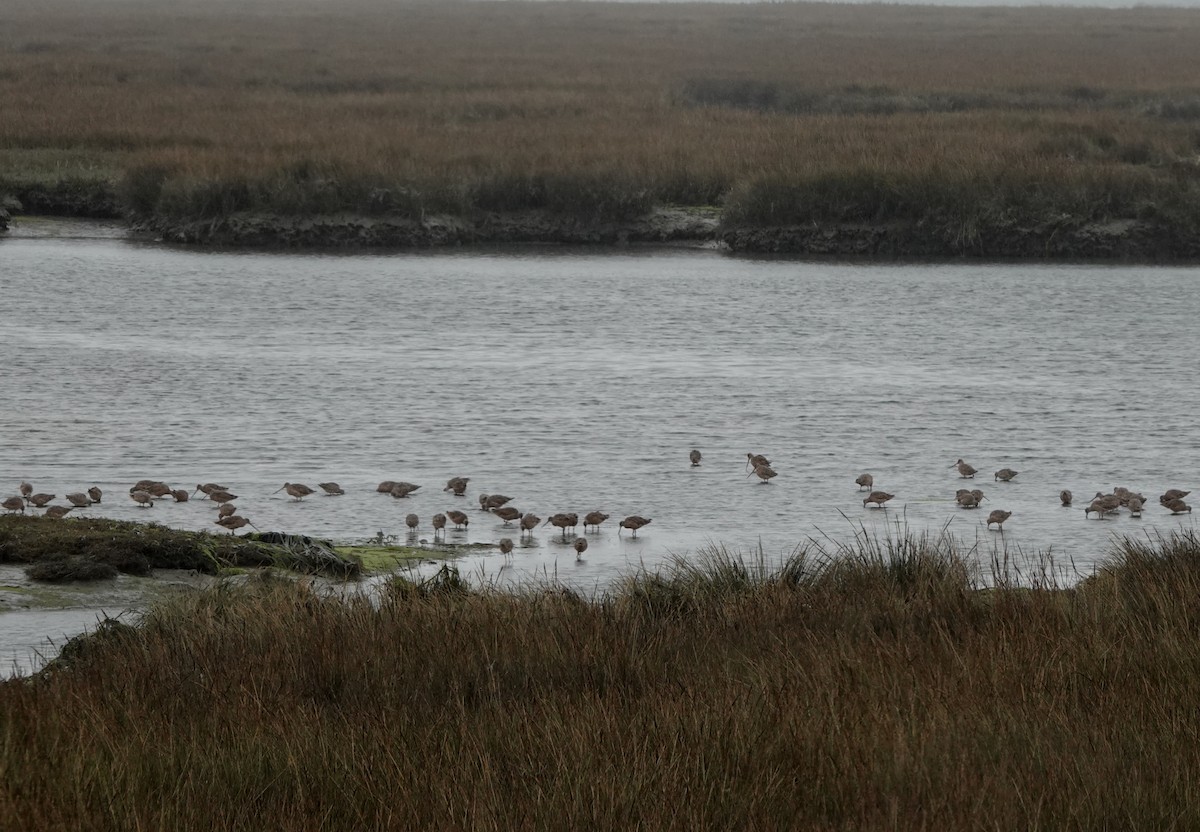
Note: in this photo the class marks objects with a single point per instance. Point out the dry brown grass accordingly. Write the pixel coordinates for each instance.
(494, 105)
(879, 689)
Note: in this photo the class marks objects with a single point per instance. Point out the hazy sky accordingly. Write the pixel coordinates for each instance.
(1107, 4)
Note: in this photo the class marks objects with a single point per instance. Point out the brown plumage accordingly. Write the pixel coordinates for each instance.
(1109, 503)
(492, 501)
(580, 547)
(412, 521)
(964, 470)
(528, 523)
(764, 473)
(331, 488)
(385, 487)
(1005, 475)
(695, 456)
(221, 497)
(564, 521)
(458, 518)
(95, 493)
(878, 498)
(143, 498)
(865, 481)
(26, 490)
(57, 512)
(400, 490)
(1172, 494)
(207, 488)
(233, 522)
(180, 495)
(1066, 497)
(594, 518)
(1135, 506)
(998, 517)
(297, 490)
(755, 460)
(506, 546)
(40, 500)
(13, 504)
(633, 522)
(226, 509)
(966, 499)
(158, 489)
(79, 499)
(1177, 506)
(457, 485)
(507, 513)
(439, 524)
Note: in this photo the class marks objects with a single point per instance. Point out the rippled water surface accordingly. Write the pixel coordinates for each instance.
(579, 380)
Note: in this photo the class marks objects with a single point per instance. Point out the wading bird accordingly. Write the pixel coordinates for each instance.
(331, 488)
(764, 473)
(439, 525)
(95, 493)
(458, 518)
(1005, 475)
(40, 500)
(385, 487)
(506, 546)
(400, 490)
(79, 499)
(457, 485)
(528, 523)
(221, 497)
(143, 498)
(507, 513)
(563, 521)
(57, 512)
(26, 489)
(226, 509)
(491, 501)
(13, 504)
(865, 481)
(1172, 494)
(233, 522)
(580, 547)
(207, 487)
(1135, 506)
(998, 517)
(695, 456)
(964, 470)
(594, 518)
(755, 460)
(412, 521)
(878, 498)
(180, 495)
(296, 490)
(1177, 506)
(1066, 497)
(633, 522)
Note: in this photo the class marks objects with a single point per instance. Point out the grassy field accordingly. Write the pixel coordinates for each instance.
(782, 113)
(883, 685)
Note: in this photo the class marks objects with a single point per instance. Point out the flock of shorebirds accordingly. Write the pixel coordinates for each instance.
(146, 492)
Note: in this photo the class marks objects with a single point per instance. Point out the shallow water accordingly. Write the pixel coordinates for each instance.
(579, 380)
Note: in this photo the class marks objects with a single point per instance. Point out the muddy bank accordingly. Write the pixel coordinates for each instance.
(1121, 239)
(663, 225)
(67, 198)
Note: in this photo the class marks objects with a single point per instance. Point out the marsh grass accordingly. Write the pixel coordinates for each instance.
(888, 689)
(793, 113)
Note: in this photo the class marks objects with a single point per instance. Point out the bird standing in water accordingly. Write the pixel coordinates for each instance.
(695, 456)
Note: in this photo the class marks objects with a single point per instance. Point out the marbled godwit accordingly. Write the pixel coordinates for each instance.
(40, 500)
(506, 546)
(496, 501)
(1177, 506)
(457, 485)
(507, 513)
(95, 493)
(207, 487)
(1096, 507)
(385, 487)
(13, 504)
(412, 521)
(633, 522)
(528, 523)
(458, 518)
(57, 512)
(865, 481)
(1172, 494)
(226, 509)
(564, 521)
(764, 473)
(1066, 496)
(1135, 506)
(964, 470)
(966, 499)
(180, 495)
(755, 460)
(297, 490)
(221, 497)
(331, 488)
(26, 490)
(580, 547)
(695, 456)
(158, 489)
(233, 522)
(594, 518)
(79, 499)
(998, 517)
(439, 525)
(143, 498)
(1108, 503)
(878, 498)
(400, 490)
(1005, 475)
